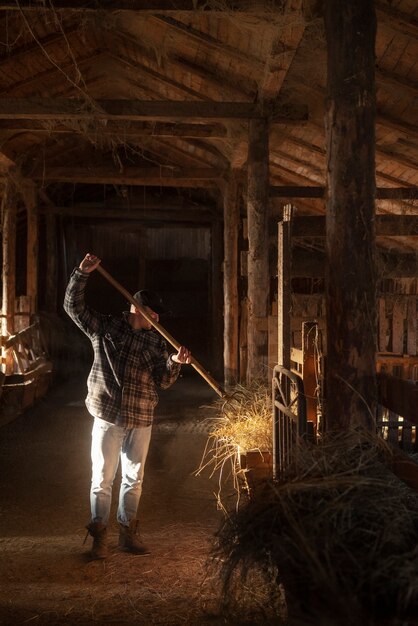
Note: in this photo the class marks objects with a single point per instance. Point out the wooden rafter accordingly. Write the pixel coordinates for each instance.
(22, 53)
(382, 193)
(50, 74)
(122, 129)
(386, 225)
(396, 20)
(391, 80)
(159, 77)
(212, 43)
(153, 6)
(65, 109)
(163, 176)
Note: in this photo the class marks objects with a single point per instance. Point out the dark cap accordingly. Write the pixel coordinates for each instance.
(151, 299)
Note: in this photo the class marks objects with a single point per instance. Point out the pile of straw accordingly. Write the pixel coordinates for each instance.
(243, 422)
(339, 534)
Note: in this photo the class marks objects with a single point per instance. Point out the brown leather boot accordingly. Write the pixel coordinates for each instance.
(130, 540)
(99, 533)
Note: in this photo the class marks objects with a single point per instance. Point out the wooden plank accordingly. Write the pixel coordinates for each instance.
(392, 80)
(272, 328)
(398, 325)
(400, 396)
(383, 326)
(412, 326)
(310, 369)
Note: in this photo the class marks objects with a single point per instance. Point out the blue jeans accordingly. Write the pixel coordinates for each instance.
(109, 444)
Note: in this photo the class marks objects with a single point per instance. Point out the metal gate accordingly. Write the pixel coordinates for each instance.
(289, 416)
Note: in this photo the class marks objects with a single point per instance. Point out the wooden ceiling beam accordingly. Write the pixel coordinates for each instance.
(386, 226)
(310, 264)
(153, 6)
(382, 193)
(163, 176)
(64, 109)
(126, 130)
(61, 109)
(177, 214)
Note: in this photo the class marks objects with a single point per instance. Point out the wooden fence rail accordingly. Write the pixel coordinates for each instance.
(29, 371)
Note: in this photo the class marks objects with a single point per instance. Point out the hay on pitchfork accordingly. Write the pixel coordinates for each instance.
(243, 423)
(339, 534)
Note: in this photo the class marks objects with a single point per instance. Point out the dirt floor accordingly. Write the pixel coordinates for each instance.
(46, 575)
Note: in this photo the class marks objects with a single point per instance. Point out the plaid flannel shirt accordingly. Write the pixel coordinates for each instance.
(129, 365)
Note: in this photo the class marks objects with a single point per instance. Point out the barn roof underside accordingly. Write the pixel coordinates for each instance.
(110, 110)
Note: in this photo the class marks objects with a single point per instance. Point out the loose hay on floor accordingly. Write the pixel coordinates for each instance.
(339, 533)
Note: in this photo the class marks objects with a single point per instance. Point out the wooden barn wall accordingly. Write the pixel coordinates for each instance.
(174, 260)
(397, 316)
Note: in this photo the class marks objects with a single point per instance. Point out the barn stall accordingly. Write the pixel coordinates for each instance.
(255, 163)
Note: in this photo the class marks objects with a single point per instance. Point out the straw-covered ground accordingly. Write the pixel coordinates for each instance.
(335, 543)
(46, 576)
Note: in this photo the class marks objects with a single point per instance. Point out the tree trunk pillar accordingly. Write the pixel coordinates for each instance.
(231, 305)
(216, 297)
(29, 193)
(258, 254)
(8, 270)
(284, 296)
(51, 299)
(350, 224)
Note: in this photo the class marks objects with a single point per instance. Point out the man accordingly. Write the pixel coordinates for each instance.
(130, 363)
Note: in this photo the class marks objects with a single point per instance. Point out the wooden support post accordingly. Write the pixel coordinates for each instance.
(310, 371)
(8, 270)
(351, 389)
(258, 262)
(230, 282)
(284, 301)
(51, 298)
(51, 279)
(243, 342)
(30, 200)
(216, 298)
(143, 254)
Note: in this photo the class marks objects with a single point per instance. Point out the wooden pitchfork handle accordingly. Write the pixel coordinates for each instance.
(161, 330)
